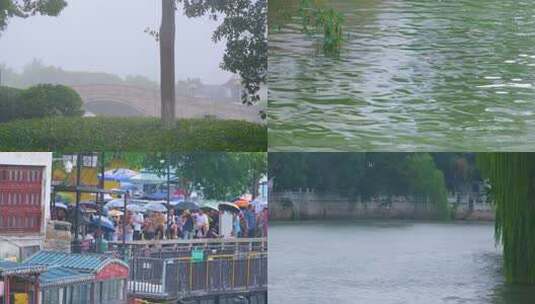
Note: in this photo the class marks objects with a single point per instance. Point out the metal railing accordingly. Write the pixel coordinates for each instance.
(183, 248)
(180, 277)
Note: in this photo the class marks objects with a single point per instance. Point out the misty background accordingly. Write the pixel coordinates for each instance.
(96, 43)
(109, 36)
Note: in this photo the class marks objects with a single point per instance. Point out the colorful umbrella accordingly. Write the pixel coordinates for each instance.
(156, 207)
(114, 203)
(103, 222)
(242, 203)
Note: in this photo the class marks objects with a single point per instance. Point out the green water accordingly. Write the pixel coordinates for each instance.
(411, 75)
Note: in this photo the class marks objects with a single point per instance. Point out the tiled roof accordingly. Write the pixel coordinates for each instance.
(80, 262)
(11, 268)
(60, 276)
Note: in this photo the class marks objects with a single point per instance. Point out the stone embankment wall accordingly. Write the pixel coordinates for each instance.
(305, 205)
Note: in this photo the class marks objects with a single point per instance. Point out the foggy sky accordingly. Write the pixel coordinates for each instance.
(108, 36)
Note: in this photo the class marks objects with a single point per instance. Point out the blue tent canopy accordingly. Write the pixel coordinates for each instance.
(120, 174)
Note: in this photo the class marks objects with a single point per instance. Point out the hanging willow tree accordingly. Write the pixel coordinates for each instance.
(512, 180)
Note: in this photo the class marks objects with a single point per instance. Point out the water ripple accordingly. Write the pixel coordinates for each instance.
(412, 75)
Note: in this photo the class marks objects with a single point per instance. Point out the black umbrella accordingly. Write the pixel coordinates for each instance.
(187, 206)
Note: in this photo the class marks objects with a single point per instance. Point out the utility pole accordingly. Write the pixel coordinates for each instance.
(167, 63)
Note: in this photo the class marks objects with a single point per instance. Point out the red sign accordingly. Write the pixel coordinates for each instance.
(112, 271)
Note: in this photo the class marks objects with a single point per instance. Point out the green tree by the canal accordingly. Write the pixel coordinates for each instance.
(512, 178)
(243, 27)
(26, 8)
(362, 175)
(221, 175)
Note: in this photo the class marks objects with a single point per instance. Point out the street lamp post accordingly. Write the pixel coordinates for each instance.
(124, 221)
(168, 185)
(76, 243)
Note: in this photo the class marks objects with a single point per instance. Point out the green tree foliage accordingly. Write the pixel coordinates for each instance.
(8, 102)
(221, 175)
(50, 100)
(425, 181)
(243, 27)
(361, 174)
(39, 101)
(26, 8)
(459, 169)
(512, 178)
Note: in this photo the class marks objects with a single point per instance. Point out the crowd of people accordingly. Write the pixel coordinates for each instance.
(182, 224)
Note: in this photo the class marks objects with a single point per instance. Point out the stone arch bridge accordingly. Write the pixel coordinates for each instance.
(130, 100)
(119, 100)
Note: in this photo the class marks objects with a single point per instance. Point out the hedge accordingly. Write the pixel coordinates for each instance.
(133, 134)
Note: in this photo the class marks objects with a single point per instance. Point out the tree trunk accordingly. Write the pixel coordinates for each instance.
(167, 63)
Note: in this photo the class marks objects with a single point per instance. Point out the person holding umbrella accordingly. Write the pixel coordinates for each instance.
(171, 225)
(187, 227)
(250, 218)
(138, 224)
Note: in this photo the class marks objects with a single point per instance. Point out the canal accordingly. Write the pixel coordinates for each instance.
(411, 75)
(388, 262)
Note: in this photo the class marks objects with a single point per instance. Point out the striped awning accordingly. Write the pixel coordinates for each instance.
(13, 268)
(60, 276)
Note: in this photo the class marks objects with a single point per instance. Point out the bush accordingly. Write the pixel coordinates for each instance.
(39, 101)
(132, 134)
(50, 100)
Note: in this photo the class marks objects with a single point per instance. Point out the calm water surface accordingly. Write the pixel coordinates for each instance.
(388, 263)
(411, 75)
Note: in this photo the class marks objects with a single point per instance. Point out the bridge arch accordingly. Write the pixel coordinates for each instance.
(102, 107)
(119, 100)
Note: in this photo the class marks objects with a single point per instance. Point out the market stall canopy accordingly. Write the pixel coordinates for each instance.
(149, 178)
(120, 174)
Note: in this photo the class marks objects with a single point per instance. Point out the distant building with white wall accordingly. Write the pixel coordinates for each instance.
(25, 183)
